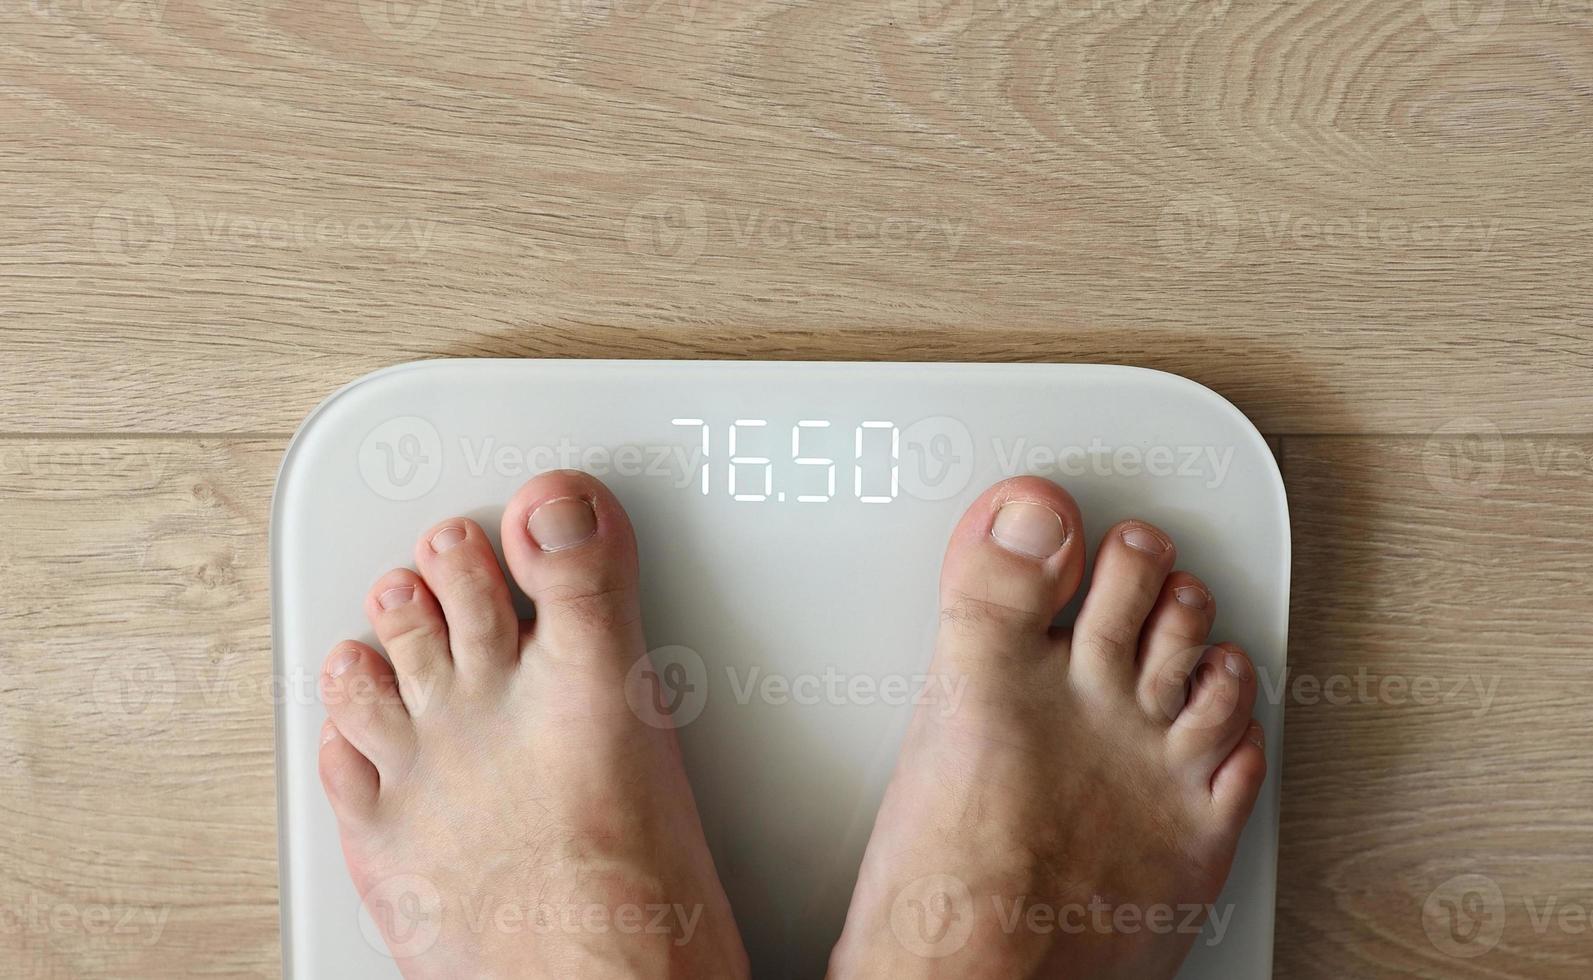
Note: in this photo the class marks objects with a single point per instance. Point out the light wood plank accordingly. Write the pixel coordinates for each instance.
(137, 782)
(1461, 568)
(1347, 216)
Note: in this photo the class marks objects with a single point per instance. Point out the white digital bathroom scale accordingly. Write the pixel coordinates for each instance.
(791, 519)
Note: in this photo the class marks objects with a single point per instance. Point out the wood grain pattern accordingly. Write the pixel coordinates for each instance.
(1365, 222)
(137, 774)
(1438, 707)
(1348, 216)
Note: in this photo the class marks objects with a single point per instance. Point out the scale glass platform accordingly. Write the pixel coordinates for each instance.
(791, 519)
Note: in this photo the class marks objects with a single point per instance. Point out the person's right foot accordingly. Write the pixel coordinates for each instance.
(1089, 789)
(503, 809)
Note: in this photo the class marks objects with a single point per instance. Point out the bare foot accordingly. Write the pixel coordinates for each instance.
(503, 811)
(1081, 805)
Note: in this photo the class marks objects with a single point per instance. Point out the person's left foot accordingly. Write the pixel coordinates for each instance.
(504, 812)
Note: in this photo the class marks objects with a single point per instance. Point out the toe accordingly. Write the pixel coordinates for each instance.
(1014, 561)
(461, 569)
(1130, 567)
(410, 624)
(348, 777)
(362, 700)
(570, 547)
(1238, 780)
(1172, 643)
(1222, 693)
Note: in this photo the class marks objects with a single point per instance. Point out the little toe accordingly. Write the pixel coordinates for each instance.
(1238, 780)
(410, 624)
(349, 779)
(1222, 694)
(1014, 561)
(570, 547)
(1172, 643)
(361, 696)
(461, 569)
(1130, 567)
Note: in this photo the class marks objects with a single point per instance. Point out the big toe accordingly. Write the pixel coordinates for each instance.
(1014, 561)
(570, 547)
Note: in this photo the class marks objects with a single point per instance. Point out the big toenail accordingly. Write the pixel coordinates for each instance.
(448, 537)
(1192, 596)
(1237, 666)
(1028, 529)
(396, 596)
(1256, 736)
(341, 662)
(563, 522)
(1140, 539)
(328, 732)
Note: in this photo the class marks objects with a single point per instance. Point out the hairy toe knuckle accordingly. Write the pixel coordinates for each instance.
(1115, 635)
(600, 606)
(964, 611)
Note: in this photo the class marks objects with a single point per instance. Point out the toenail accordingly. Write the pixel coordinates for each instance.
(341, 662)
(448, 537)
(1144, 540)
(328, 732)
(563, 522)
(1028, 529)
(1256, 736)
(396, 596)
(1192, 596)
(1237, 666)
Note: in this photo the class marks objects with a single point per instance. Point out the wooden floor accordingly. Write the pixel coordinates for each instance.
(1367, 222)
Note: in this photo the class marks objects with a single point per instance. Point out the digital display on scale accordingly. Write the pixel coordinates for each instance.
(758, 463)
